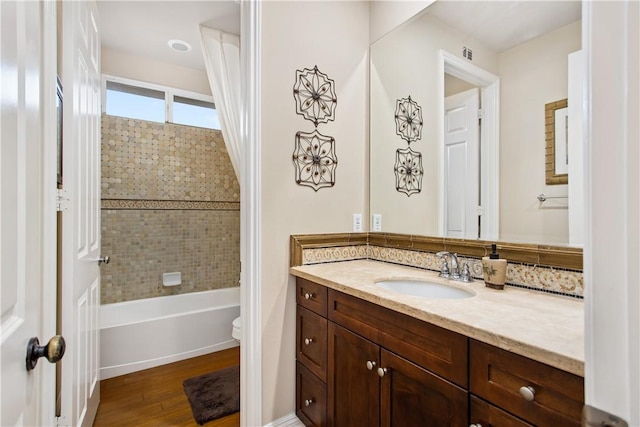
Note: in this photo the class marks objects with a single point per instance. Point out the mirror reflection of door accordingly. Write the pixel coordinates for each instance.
(461, 164)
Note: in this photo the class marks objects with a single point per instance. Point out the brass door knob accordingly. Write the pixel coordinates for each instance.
(53, 351)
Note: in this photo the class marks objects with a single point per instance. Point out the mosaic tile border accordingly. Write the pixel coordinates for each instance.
(554, 280)
(169, 205)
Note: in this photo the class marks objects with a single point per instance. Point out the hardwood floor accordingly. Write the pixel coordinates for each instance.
(155, 397)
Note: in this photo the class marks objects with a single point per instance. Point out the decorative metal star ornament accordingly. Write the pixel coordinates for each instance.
(408, 170)
(315, 95)
(315, 160)
(408, 119)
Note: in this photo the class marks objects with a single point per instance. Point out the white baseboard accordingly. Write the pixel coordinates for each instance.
(114, 371)
(289, 420)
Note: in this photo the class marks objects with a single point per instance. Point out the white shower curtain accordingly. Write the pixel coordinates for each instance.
(222, 61)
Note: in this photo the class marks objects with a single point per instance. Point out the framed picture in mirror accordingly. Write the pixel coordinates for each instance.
(556, 153)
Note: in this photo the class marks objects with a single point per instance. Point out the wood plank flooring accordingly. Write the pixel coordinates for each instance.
(155, 397)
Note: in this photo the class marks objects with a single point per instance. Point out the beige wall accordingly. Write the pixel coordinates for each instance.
(170, 202)
(532, 75)
(385, 15)
(296, 35)
(405, 63)
(122, 64)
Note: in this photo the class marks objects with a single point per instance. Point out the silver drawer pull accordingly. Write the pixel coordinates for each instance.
(308, 402)
(528, 393)
(475, 425)
(308, 341)
(307, 295)
(382, 372)
(371, 364)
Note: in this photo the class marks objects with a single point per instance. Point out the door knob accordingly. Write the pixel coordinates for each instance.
(371, 364)
(382, 372)
(53, 351)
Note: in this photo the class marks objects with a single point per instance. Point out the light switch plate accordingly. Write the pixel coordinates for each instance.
(377, 222)
(357, 222)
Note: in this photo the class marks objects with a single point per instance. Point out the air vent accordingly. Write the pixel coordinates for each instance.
(467, 53)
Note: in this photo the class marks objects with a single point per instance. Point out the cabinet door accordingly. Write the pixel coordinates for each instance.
(353, 390)
(413, 396)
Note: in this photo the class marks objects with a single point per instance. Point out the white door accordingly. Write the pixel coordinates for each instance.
(27, 209)
(81, 219)
(461, 165)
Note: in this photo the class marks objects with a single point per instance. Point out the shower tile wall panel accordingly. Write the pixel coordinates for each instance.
(204, 245)
(163, 161)
(170, 203)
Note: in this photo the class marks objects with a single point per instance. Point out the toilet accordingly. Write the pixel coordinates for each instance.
(235, 333)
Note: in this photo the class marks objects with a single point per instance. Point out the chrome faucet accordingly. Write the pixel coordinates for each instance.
(453, 272)
(449, 270)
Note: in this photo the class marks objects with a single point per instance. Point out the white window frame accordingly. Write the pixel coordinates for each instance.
(169, 93)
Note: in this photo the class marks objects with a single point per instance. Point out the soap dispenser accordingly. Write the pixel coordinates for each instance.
(494, 269)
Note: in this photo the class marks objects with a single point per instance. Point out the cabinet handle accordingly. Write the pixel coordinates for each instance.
(308, 402)
(475, 425)
(308, 295)
(528, 393)
(382, 372)
(371, 364)
(308, 341)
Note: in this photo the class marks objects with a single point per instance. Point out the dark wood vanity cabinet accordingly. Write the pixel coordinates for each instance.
(375, 367)
(361, 364)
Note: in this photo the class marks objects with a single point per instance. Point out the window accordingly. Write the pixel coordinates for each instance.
(195, 113)
(145, 101)
(135, 102)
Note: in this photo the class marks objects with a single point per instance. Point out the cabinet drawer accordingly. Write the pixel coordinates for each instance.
(311, 296)
(487, 415)
(431, 347)
(497, 375)
(311, 341)
(311, 398)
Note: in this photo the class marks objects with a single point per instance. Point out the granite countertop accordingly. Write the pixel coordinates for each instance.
(543, 327)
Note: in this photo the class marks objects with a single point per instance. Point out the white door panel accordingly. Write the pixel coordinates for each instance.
(461, 164)
(24, 135)
(81, 222)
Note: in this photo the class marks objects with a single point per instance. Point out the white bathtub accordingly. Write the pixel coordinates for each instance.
(141, 334)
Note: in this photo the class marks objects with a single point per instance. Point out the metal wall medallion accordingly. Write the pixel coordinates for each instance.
(314, 155)
(315, 95)
(315, 160)
(408, 119)
(408, 170)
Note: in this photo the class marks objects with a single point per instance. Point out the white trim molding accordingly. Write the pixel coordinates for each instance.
(489, 85)
(250, 206)
(289, 420)
(611, 47)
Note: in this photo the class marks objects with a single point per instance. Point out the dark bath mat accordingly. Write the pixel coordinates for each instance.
(214, 395)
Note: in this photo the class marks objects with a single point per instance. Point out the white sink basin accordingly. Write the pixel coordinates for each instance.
(424, 288)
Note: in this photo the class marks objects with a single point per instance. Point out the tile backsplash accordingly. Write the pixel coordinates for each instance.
(170, 202)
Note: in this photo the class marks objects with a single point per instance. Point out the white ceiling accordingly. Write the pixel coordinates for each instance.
(144, 27)
(501, 25)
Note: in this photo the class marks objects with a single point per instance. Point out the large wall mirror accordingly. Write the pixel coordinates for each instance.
(473, 79)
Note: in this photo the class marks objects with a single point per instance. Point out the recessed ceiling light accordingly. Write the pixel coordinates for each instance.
(179, 45)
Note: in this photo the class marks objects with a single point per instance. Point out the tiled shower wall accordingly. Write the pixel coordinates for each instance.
(170, 202)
